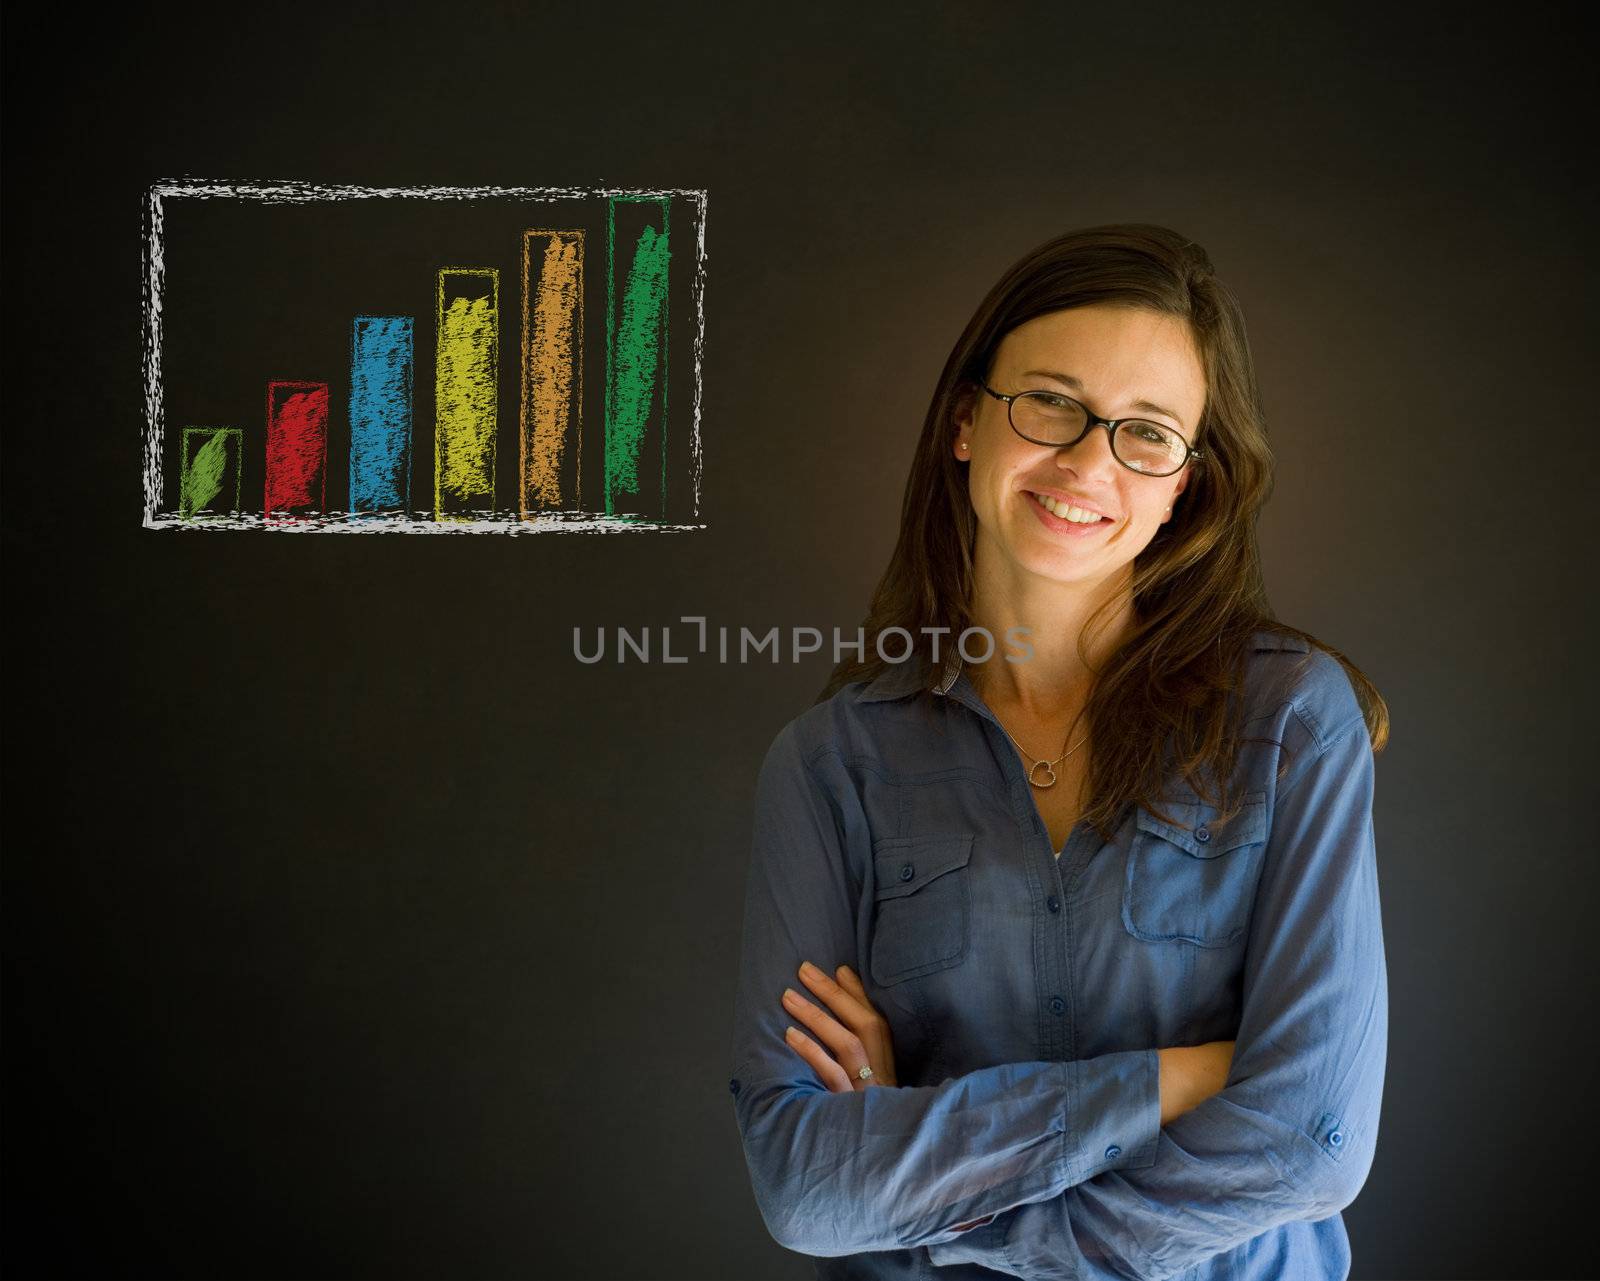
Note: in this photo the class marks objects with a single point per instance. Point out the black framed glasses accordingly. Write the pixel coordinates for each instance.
(1049, 418)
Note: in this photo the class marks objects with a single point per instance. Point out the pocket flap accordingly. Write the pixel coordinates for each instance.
(1197, 836)
(904, 864)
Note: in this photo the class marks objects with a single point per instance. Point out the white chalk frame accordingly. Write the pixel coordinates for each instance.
(292, 191)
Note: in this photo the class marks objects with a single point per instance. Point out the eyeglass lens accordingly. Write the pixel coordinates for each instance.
(1055, 420)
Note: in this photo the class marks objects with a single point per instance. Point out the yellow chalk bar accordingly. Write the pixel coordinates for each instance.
(466, 392)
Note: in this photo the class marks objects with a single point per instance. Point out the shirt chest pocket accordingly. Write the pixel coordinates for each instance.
(1187, 881)
(922, 905)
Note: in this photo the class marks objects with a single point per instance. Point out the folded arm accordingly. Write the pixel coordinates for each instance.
(1293, 1133)
(891, 1168)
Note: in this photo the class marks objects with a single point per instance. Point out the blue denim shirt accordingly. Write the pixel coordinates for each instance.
(1027, 993)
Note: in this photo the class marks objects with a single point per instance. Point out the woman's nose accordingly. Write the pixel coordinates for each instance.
(1092, 452)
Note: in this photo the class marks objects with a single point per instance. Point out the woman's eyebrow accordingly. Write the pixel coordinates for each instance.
(1077, 385)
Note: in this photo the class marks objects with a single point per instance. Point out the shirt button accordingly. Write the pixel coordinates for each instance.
(1202, 834)
(1057, 1004)
(733, 1086)
(1113, 1152)
(1053, 903)
(907, 872)
(1336, 1138)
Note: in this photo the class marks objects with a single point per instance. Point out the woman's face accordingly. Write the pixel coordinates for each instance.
(1119, 361)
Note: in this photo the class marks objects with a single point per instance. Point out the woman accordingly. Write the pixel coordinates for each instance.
(1062, 950)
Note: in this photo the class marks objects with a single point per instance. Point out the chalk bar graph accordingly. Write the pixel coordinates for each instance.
(362, 421)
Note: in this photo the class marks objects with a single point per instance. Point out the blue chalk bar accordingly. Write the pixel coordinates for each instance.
(381, 359)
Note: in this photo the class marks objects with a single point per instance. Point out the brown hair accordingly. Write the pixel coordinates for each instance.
(1197, 587)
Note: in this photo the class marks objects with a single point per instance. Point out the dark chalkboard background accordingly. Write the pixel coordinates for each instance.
(353, 928)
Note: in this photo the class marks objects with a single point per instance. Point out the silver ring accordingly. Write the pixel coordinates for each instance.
(864, 1073)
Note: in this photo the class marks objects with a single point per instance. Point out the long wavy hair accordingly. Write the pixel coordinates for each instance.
(1167, 698)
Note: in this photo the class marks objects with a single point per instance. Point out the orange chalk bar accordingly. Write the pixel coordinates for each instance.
(551, 426)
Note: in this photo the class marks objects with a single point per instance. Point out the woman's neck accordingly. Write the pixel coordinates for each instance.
(1054, 679)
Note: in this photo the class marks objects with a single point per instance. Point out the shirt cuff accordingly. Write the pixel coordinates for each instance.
(1115, 1121)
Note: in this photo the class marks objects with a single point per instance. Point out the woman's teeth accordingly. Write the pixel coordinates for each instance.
(1066, 511)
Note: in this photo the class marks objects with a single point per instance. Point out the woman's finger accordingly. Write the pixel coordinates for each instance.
(833, 1076)
(851, 1009)
(844, 1044)
(876, 1037)
(852, 984)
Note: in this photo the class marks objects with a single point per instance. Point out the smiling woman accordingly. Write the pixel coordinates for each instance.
(1071, 964)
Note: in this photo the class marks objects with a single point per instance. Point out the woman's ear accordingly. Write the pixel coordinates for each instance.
(962, 415)
(1183, 481)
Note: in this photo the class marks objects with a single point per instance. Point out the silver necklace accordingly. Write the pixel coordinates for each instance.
(1049, 766)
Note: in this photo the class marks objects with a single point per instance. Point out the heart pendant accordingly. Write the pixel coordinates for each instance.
(1049, 774)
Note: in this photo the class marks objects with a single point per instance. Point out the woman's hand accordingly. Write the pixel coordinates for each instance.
(859, 1035)
(855, 1034)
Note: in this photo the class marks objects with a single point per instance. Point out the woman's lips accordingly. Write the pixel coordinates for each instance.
(1070, 528)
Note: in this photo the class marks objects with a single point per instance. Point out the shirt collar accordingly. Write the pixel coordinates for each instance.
(900, 680)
